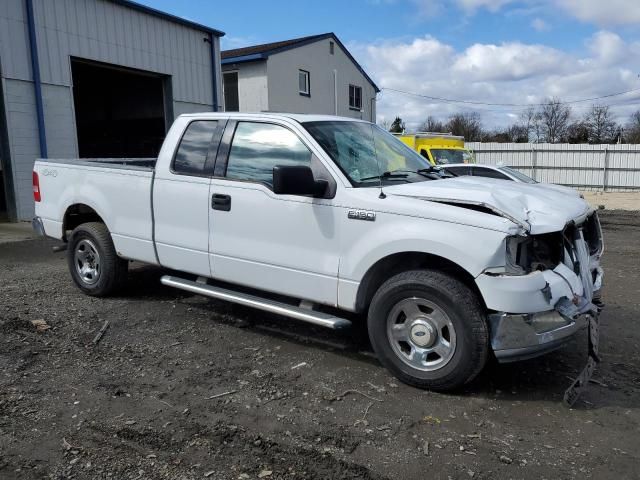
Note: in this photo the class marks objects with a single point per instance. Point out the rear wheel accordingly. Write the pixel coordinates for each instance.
(93, 262)
(429, 329)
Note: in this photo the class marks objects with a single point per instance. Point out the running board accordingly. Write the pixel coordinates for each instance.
(306, 315)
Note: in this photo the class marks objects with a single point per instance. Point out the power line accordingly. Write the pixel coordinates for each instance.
(471, 102)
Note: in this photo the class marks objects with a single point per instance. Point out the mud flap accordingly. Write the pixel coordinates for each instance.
(572, 393)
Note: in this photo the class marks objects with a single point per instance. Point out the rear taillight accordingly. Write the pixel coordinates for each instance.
(36, 187)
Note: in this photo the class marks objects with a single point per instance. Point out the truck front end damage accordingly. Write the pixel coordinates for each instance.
(548, 290)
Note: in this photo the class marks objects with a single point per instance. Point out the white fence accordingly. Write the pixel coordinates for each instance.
(612, 168)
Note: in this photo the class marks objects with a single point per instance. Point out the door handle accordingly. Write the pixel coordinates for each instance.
(221, 202)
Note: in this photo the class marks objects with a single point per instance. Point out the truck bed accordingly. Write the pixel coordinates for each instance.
(120, 163)
(119, 190)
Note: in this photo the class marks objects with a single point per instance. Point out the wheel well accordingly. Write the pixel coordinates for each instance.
(77, 215)
(397, 263)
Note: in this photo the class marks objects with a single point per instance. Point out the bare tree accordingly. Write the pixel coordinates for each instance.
(554, 118)
(632, 129)
(600, 125)
(431, 124)
(517, 134)
(577, 132)
(469, 125)
(385, 124)
(529, 119)
(514, 134)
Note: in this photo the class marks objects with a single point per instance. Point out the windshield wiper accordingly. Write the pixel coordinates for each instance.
(431, 172)
(388, 174)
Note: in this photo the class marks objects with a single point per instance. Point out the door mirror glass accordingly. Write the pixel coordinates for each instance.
(297, 180)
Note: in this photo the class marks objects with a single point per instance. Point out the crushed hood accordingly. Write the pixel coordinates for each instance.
(536, 208)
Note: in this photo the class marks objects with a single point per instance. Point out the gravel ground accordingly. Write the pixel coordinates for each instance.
(183, 387)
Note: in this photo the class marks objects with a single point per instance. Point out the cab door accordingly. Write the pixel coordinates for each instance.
(279, 243)
(181, 198)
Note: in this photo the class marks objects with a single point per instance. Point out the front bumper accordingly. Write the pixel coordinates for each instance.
(521, 336)
(546, 308)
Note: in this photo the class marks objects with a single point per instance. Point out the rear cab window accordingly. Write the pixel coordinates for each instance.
(194, 155)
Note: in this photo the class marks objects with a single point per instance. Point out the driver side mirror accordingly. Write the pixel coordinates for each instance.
(297, 180)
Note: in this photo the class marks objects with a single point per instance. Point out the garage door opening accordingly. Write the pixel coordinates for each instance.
(120, 113)
(3, 197)
(6, 190)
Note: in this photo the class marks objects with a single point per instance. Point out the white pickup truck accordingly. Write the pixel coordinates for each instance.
(328, 220)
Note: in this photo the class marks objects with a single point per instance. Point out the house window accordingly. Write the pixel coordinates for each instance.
(331, 47)
(231, 97)
(355, 97)
(304, 87)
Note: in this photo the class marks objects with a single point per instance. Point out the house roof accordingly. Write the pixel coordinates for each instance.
(167, 16)
(263, 51)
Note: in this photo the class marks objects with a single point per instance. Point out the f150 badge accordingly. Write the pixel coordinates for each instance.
(361, 215)
(48, 172)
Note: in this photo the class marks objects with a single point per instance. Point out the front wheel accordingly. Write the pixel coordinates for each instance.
(429, 330)
(93, 262)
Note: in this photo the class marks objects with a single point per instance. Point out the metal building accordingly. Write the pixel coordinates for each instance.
(94, 78)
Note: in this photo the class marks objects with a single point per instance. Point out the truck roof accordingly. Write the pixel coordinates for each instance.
(298, 117)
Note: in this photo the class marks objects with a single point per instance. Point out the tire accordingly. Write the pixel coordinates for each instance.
(93, 262)
(421, 311)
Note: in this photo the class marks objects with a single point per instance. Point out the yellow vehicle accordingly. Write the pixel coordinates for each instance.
(438, 148)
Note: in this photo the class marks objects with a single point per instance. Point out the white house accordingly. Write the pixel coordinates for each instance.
(314, 74)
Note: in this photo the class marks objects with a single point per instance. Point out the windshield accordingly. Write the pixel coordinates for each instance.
(445, 156)
(518, 175)
(367, 154)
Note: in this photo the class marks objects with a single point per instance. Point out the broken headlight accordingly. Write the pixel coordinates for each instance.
(526, 254)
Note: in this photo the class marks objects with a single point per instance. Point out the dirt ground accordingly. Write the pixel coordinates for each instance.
(614, 200)
(183, 387)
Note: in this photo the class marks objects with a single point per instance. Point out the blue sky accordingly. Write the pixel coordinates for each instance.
(499, 51)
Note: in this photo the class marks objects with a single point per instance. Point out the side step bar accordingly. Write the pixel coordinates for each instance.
(310, 316)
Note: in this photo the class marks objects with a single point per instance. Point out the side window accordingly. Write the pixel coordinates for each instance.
(191, 157)
(488, 172)
(304, 83)
(459, 171)
(355, 97)
(258, 147)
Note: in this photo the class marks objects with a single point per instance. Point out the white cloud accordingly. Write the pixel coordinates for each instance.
(231, 42)
(431, 8)
(514, 73)
(491, 5)
(608, 48)
(509, 61)
(603, 12)
(539, 25)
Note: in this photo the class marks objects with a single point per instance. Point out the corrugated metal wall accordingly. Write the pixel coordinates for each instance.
(104, 31)
(614, 168)
(97, 30)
